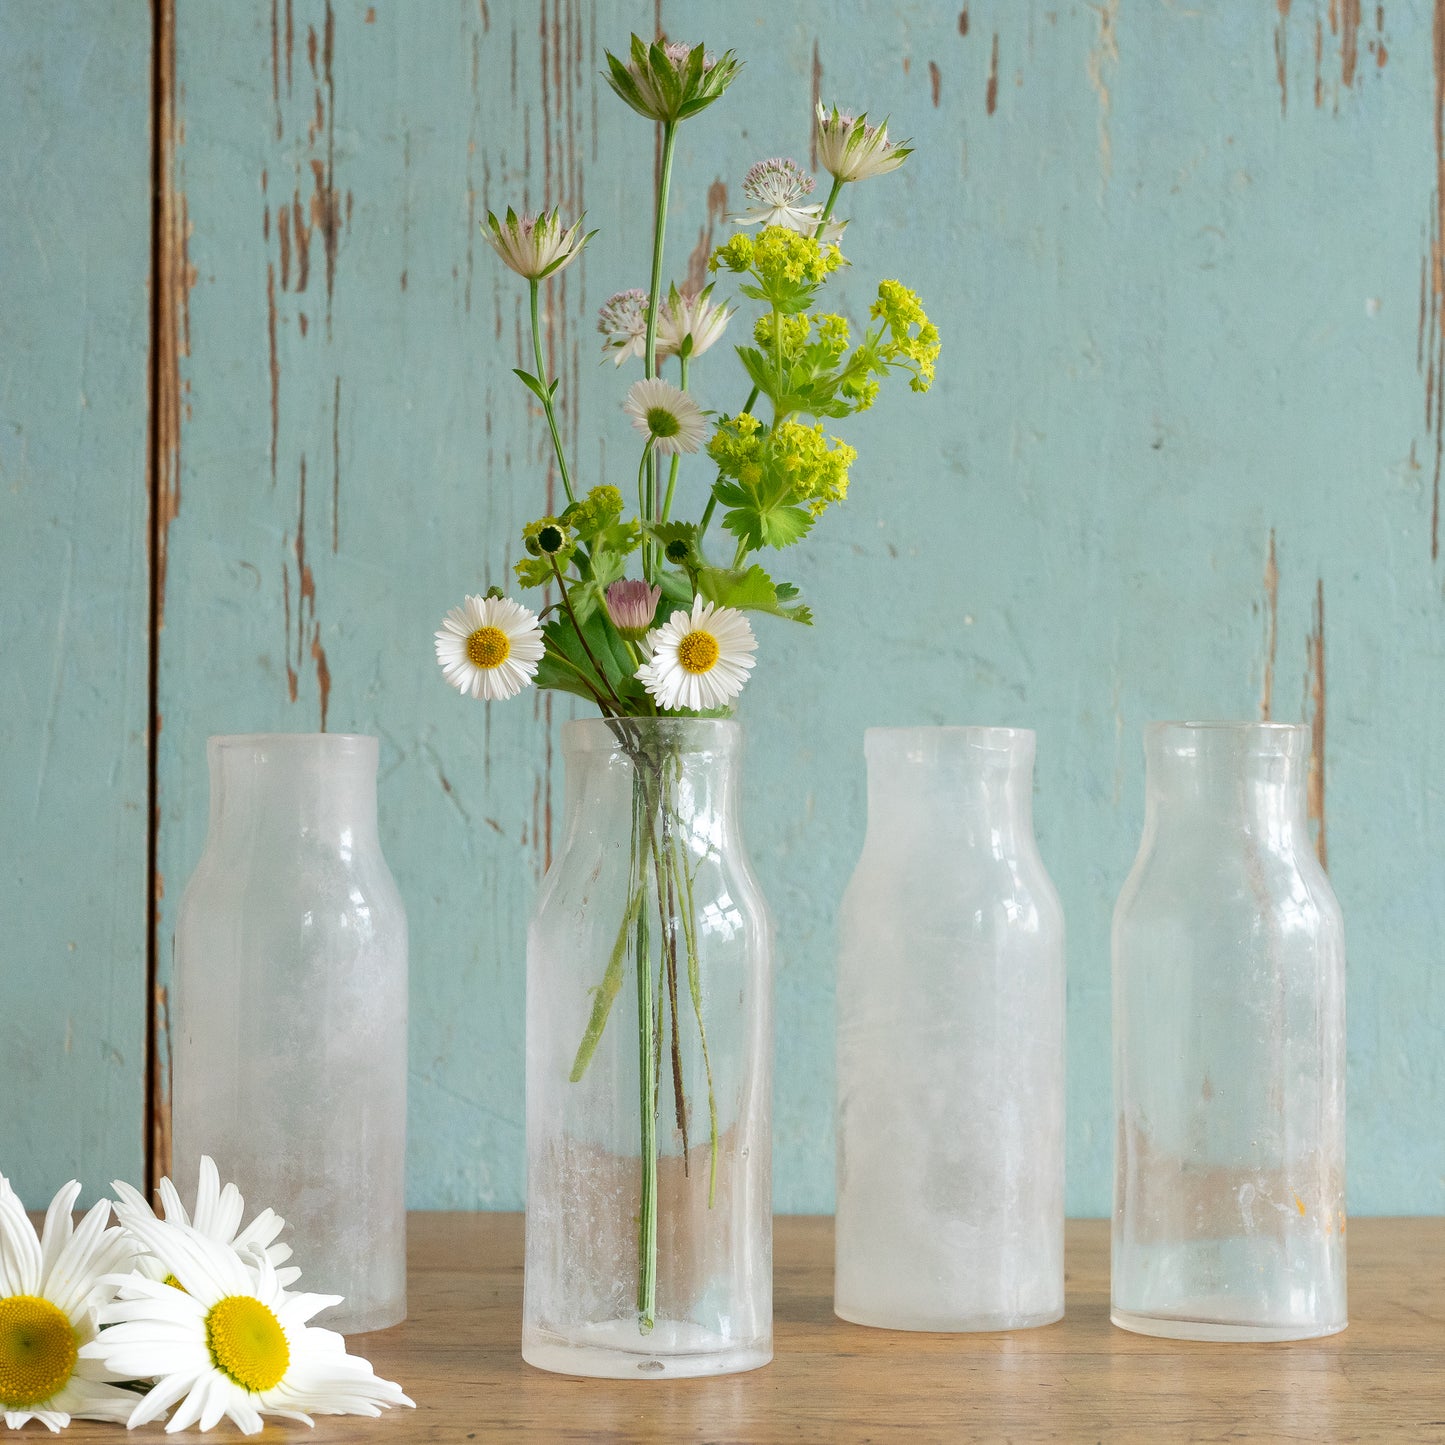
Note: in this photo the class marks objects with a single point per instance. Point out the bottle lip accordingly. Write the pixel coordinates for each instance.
(335, 747)
(926, 742)
(681, 734)
(1191, 738)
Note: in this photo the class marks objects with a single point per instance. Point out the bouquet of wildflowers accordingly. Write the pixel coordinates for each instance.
(647, 612)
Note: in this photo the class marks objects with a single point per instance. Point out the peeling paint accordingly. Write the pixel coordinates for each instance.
(990, 91)
(1271, 630)
(1315, 714)
(817, 100)
(1281, 53)
(1103, 58)
(717, 205)
(935, 82)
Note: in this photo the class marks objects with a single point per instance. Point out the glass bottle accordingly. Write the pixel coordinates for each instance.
(289, 1045)
(1229, 1048)
(950, 1062)
(649, 1066)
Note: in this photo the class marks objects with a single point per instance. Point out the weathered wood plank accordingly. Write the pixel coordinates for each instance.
(74, 318)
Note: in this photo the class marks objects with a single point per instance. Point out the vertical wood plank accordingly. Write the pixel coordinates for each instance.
(74, 317)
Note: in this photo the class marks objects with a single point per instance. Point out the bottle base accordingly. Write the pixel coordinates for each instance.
(616, 1350)
(1192, 1326)
(946, 1325)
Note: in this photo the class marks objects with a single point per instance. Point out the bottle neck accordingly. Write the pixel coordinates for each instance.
(684, 768)
(961, 787)
(267, 787)
(1227, 777)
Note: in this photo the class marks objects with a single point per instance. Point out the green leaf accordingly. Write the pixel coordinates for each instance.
(782, 526)
(606, 646)
(676, 588)
(759, 369)
(605, 993)
(533, 385)
(751, 590)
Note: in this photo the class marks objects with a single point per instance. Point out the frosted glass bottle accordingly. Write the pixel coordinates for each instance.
(649, 1066)
(289, 1042)
(1229, 1048)
(950, 1063)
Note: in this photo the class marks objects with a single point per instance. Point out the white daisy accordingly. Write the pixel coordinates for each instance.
(699, 660)
(229, 1342)
(534, 246)
(622, 320)
(218, 1214)
(490, 647)
(776, 187)
(684, 314)
(669, 418)
(50, 1289)
(852, 150)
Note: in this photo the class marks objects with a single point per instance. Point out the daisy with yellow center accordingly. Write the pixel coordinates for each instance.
(51, 1286)
(699, 660)
(218, 1214)
(670, 419)
(230, 1343)
(489, 647)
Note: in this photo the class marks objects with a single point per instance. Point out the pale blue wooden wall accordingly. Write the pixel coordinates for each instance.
(1179, 461)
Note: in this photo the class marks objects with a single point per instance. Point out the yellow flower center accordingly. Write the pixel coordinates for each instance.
(488, 647)
(38, 1351)
(247, 1343)
(174, 1283)
(697, 652)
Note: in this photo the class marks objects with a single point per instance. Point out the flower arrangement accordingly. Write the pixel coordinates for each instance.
(647, 618)
(188, 1313)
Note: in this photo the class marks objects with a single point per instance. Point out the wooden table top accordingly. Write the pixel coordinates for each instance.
(458, 1356)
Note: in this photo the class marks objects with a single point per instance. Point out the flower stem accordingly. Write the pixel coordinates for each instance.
(659, 229)
(828, 207)
(581, 637)
(646, 1070)
(643, 509)
(676, 457)
(546, 384)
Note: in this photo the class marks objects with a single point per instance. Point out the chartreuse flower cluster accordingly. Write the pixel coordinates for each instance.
(641, 616)
(188, 1315)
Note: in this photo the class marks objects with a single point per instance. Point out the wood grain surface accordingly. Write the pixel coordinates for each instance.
(1080, 1380)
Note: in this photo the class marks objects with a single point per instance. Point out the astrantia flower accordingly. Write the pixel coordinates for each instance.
(50, 1289)
(685, 315)
(777, 187)
(669, 417)
(218, 1214)
(622, 320)
(632, 605)
(852, 150)
(490, 647)
(700, 660)
(535, 246)
(229, 1342)
(670, 82)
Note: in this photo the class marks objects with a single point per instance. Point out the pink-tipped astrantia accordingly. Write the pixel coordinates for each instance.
(632, 605)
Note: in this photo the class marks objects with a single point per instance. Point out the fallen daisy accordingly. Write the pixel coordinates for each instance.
(217, 1215)
(50, 1288)
(230, 1341)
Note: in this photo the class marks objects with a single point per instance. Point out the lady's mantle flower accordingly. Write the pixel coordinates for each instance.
(776, 187)
(632, 605)
(852, 150)
(779, 258)
(50, 1289)
(699, 660)
(489, 647)
(622, 320)
(685, 315)
(535, 246)
(229, 1342)
(670, 82)
(670, 419)
(218, 1214)
(912, 339)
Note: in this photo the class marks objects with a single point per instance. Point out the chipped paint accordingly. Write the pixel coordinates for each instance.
(1271, 630)
(1103, 59)
(990, 90)
(1315, 715)
(1281, 53)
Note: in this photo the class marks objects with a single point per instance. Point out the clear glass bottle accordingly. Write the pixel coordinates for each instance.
(950, 1212)
(289, 1043)
(649, 1066)
(1229, 1048)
